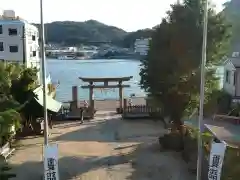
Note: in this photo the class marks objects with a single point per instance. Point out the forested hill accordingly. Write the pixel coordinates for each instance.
(75, 33)
(232, 12)
(70, 32)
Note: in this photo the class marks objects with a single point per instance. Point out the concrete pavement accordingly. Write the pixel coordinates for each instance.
(103, 149)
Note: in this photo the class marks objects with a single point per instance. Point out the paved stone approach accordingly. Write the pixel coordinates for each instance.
(102, 149)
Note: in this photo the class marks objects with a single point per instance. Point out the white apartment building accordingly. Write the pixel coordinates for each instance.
(19, 41)
(141, 46)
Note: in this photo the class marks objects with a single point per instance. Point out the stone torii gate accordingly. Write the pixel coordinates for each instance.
(105, 81)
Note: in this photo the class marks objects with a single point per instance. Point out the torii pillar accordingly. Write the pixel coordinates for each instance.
(91, 105)
(120, 95)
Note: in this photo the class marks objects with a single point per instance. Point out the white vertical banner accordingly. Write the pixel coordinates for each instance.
(51, 162)
(216, 160)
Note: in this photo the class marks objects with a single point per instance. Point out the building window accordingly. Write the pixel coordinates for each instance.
(1, 29)
(33, 37)
(1, 46)
(227, 76)
(234, 78)
(13, 49)
(34, 53)
(12, 32)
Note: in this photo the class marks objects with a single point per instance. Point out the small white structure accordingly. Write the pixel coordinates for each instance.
(231, 81)
(72, 49)
(19, 41)
(141, 46)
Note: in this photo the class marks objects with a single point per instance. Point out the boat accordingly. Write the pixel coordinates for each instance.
(67, 57)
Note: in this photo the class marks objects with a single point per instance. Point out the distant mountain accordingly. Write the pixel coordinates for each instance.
(75, 33)
(232, 13)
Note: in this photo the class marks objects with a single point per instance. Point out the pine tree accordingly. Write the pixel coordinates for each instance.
(16, 89)
(171, 72)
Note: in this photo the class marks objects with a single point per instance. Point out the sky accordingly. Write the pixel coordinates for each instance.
(129, 15)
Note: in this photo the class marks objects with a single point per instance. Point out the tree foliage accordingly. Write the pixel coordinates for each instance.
(91, 33)
(76, 33)
(232, 14)
(16, 85)
(171, 72)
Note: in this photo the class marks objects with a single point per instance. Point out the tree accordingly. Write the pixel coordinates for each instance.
(8, 106)
(232, 14)
(76, 33)
(16, 90)
(22, 88)
(171, 72)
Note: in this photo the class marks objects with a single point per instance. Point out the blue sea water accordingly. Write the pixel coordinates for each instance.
(67, 72)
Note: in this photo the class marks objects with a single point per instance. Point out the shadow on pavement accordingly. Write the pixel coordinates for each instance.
(144, 163)
(110, 131)
(69, 167)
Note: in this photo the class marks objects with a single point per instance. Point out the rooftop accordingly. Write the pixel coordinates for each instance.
(7, 16)
(235, 61)
(13, 21)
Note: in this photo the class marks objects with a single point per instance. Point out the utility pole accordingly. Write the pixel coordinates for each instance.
(44, 75)
(203, 64)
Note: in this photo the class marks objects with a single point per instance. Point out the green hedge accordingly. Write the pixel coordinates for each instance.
(231, 165)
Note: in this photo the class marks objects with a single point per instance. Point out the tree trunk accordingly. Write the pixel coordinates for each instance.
(180, 130)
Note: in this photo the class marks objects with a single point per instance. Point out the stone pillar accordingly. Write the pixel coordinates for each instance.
(74, 103)
(91, 104)
(125, 103)
(120, 96)
(92, 110)
(74, 93)
(124, 107)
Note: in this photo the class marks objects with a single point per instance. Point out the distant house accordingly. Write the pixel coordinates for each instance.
(231, 81)
(141, 46)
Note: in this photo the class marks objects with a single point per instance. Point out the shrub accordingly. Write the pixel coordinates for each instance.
(218, 102)
(231, 165)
